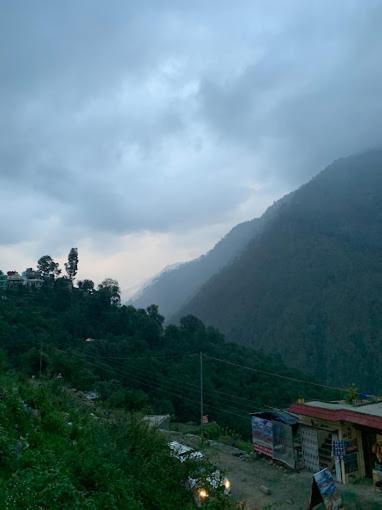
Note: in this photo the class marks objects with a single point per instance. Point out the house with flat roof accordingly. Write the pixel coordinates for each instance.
(343, 437)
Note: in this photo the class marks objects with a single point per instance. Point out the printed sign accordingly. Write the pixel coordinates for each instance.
(262, 435)
(324, 488)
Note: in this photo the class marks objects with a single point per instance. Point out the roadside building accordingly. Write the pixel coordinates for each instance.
(161, 422)
(275, 435)
(32, 279)
(14, 280)
(345, 438)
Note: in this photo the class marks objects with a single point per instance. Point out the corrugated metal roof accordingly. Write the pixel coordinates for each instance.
(369, 415)
(373, 409)
(279, 415)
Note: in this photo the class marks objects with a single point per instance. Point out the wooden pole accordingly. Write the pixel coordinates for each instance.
(201, 396)
(40, 359)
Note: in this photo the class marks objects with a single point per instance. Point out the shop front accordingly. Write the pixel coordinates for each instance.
(343, 438)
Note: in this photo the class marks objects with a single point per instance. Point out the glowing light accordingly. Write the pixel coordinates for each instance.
(203, 494)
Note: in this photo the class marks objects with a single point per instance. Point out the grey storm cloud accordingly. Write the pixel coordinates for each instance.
(120, 117)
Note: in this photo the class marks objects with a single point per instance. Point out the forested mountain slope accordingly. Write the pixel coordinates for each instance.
(173, 287)
(136, 363)
(309, 287)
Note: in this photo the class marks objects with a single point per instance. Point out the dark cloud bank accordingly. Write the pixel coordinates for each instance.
(124, 116)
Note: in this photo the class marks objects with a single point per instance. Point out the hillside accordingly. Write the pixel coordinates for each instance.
(136, 363)
(309, 286)
(174, 287)
(60, 452)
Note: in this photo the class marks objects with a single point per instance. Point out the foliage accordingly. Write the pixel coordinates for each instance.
(48, 268)
(351, 394)
(309, 286)
(71, 267)
(61, 449)
(86, 285)
(59, 453)
(110, 289)
(137, 363)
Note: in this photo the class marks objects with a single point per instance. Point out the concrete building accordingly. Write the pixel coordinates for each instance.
(14, 279)
(32, 279)
(29, 278)
(343, 437)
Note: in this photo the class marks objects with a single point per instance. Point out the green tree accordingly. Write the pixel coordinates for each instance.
(48, 268)
(110, 288)
(86, 285)
(71, 267)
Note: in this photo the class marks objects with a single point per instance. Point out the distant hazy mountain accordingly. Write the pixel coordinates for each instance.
(174, 286)
(177, 284)
(309, 285)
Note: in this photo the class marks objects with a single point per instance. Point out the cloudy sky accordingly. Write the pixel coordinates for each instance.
(142, 131)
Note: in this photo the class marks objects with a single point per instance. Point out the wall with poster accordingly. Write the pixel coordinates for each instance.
(262, 435)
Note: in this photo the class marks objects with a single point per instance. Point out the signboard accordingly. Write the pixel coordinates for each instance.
(324, 490)
(262, 435)
(283, 449)
(310, 448)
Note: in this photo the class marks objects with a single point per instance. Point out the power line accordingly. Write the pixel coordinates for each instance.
(140, 371)
(264, 372)
(274, 374)
(147, 358)
(160, 386)
(248, 402)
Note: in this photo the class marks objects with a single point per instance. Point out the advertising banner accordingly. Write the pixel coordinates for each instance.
(262, 436)
(324, 489)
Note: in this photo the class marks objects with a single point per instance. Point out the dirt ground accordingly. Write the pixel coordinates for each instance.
(288, 490)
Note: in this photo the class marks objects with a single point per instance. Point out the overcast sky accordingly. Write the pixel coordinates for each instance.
(140, 132)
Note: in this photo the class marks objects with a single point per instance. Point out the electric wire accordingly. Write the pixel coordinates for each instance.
(144, 375)
(274, 374)
(159, 386)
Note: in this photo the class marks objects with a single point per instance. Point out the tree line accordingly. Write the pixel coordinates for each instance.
(133, 359)
(49, 271)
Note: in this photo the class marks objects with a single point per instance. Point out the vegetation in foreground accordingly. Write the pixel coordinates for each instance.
(60, 450)
(59, 453)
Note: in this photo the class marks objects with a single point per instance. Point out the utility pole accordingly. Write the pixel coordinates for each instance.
(40, 359)
(201, 396)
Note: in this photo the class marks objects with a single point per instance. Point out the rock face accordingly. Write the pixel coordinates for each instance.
(308, 286)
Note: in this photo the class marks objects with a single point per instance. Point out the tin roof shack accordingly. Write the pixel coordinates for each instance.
(161, 422)
(343, 437)
(274, 434)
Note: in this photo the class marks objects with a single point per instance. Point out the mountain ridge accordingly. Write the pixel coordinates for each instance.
(175, 285)
(308, 287)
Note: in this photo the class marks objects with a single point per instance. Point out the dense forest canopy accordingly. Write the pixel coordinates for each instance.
(132, 359)
(309, 286)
